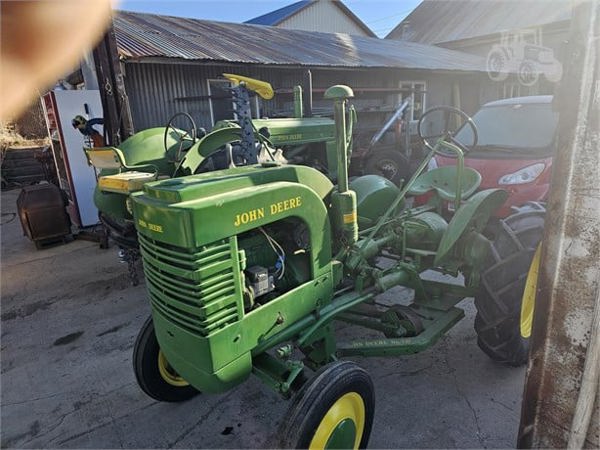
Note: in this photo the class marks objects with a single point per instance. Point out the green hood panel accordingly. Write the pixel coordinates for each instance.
(221, 181)
(194, 211)
(194, 223)
(294, 131)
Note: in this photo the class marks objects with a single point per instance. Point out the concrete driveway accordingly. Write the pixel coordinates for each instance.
(69, 321)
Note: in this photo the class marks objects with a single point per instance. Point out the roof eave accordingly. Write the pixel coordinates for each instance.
(159, 59)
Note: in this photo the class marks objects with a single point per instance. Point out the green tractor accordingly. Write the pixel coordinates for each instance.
(247, 268)
(171, 152)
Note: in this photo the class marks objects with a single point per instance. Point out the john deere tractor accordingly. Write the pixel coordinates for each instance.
(248, 269)
(170, 152)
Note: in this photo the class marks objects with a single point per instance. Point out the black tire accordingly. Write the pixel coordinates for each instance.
(503, 278)
(146, 368)
(389, 164)
(318, 395)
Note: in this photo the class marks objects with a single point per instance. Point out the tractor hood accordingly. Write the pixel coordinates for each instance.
(192, 211)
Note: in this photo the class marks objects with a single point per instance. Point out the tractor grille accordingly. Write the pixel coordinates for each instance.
(193, 288)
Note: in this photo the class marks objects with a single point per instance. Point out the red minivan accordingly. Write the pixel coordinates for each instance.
(515, 146)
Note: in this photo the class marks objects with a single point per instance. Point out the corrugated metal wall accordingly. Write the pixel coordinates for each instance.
(158, 91)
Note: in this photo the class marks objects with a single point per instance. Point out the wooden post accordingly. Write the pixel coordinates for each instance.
(118, 124)
(560, 402)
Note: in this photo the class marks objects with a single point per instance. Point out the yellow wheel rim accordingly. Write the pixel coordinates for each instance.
(167, 373)
(348, 409)
(528, 302)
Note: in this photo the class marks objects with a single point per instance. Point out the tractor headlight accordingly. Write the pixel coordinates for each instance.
(524, 175)
(129, 205)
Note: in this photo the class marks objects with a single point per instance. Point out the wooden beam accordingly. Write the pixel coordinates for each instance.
(560, 389)
(118, 124)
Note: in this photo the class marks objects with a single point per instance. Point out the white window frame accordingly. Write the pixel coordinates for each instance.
(412, 83)
(210, 100)
(256, 103)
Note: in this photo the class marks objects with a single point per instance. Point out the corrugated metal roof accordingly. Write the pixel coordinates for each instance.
(279, 15)
(141, 35)
(440, 21)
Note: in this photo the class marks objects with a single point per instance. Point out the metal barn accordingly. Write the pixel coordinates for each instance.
(173, 64)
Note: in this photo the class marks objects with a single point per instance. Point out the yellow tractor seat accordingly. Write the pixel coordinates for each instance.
(125, 182)
(105, 157)
(128, 179)
(443, 181)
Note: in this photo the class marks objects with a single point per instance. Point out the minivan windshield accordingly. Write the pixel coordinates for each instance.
(519, 127)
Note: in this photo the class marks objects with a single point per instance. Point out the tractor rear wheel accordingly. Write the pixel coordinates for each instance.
(152, 370)
(334, 409)
(389, 164)
(503, 279)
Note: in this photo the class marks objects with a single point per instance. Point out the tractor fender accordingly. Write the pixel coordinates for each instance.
(473, 215)
(209, 144)
(111, 204)
(374, 195)
(145, 148)
(206, 146)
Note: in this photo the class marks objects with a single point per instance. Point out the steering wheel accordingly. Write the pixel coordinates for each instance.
(183, 136)
(449, 131)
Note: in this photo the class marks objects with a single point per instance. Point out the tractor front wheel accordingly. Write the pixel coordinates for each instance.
(332, 410)
(152, 370)
(504, 275)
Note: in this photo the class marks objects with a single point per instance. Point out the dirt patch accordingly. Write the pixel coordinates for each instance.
(117, 283)
(227, 431)
(67, 339)
(34, 429)
(113, 329)
(28, 309)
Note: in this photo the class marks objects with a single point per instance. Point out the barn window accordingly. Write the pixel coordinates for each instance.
(416, 91)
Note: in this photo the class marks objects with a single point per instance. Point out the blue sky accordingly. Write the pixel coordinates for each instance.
(380, 15)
